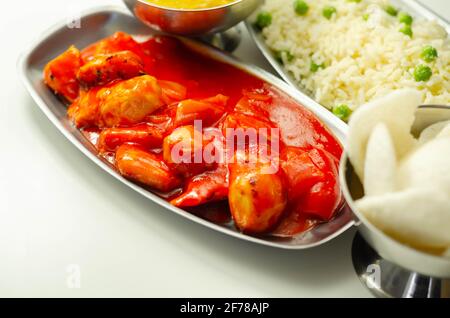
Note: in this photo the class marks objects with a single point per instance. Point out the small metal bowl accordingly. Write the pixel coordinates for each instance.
(192, 22)
(387, 267)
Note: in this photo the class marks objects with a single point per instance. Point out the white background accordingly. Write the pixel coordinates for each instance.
(57, 208)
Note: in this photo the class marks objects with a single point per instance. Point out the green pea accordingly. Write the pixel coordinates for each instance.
(315, 67)
(290, 56)
(422, 73)
(263, 20)
(328, 12)
(285, 53)
(366, 17)
(405, 18)
(391, 11)
(406, 29)
(342, 111)
(429, 54)
(301, 7)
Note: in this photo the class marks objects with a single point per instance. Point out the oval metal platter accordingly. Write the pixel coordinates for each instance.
(413, 7)
(102, 22)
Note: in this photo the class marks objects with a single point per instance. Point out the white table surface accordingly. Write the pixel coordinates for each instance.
(57, 209)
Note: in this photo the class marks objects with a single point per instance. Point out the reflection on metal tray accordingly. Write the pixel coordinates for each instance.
(102, 22)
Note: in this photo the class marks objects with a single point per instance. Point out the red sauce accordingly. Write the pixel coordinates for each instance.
(203, 77)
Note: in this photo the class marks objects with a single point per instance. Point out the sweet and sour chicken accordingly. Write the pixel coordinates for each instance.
(199, 132)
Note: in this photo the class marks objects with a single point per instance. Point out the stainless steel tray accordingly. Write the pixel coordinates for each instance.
(101, 22)
(411, 6)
